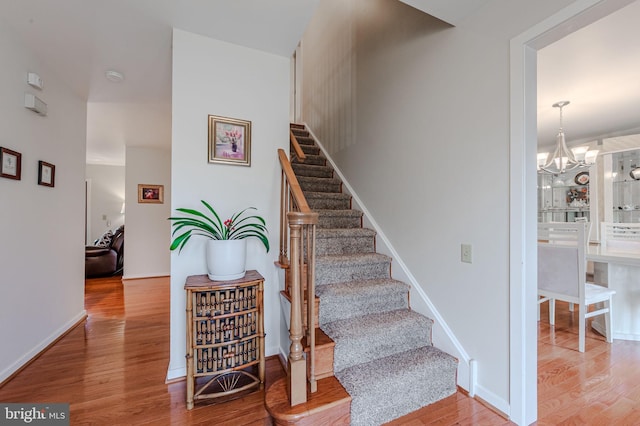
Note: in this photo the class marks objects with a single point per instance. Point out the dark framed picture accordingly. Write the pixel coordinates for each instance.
(46, 174)
(150, 193)
(10, 164)
(229, 141)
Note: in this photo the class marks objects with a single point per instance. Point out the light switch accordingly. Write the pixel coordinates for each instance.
(465, 253)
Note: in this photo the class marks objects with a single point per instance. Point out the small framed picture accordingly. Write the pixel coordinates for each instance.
(46, 174)
(150, 193)
(10, 164)
(229, 141)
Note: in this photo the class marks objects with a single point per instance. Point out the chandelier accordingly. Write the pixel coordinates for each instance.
(563, 159)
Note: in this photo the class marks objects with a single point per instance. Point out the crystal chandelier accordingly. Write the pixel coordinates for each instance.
(563, 159)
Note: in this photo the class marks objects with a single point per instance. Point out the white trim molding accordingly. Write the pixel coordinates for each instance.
(44, 344)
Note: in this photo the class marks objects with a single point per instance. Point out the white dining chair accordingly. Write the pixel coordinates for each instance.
(620, 236)
(562, 276)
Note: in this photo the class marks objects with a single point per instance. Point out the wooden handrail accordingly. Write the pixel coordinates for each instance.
(296, 146)
(298, 232)
(294, 186)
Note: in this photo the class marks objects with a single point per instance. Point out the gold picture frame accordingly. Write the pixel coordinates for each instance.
(229, 140)
(150, 193)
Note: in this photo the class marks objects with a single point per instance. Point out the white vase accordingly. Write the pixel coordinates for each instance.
(226, 259)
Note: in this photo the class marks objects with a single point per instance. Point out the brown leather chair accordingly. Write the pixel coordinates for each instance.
(105, 261)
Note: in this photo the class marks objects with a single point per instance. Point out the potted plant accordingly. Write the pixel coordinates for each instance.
(226, 246)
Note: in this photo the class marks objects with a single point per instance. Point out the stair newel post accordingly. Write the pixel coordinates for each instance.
(297, 374)
(311, 305)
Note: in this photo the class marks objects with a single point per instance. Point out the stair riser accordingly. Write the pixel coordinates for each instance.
(398, 337)
(328, 204)
(312, 159)
(328, 222)
(312, 171)
(319, 186)
(310, 149)
(323, 364)
(343, 273)
(336, 309)
(345, 245)
(305, 140)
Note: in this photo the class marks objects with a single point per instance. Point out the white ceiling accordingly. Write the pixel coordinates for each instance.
(81, 39)
(596, 68)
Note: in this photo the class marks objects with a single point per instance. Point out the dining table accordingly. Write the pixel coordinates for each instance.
(618, 268)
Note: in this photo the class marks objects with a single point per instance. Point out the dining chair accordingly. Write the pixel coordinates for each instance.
(562, 276)
(620, 236)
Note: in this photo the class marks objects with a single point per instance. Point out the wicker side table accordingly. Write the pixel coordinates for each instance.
(225, 336)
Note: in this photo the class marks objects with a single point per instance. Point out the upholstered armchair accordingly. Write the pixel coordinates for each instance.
(104, 261)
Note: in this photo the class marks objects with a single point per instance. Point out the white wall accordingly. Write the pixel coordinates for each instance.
(426, 106)
(146, 251)
(106, 198)
(42, 228)
(219, 78)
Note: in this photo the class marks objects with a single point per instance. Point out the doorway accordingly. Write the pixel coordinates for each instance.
(523, 197)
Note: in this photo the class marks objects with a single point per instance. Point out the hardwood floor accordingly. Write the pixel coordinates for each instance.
(112, 370)
(598, 387)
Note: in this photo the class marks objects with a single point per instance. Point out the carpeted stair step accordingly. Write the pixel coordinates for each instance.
(305, 140)
(302, 169)
(331, 269)
(345, 241)
(355, 298)
(391, 387)
(328, 200)
(310, 149)
(314, 184)
(365, 338)
(311, 159)
(298, 131)
(339, 218)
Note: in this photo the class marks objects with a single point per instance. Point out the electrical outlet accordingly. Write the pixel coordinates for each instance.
(465, 253)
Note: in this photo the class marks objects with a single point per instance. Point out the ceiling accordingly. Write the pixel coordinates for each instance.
(79, 40)
(596, 68)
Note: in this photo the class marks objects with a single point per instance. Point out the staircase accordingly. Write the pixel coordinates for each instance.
(381, 351)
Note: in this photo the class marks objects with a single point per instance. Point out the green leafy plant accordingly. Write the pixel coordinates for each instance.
(209, 225)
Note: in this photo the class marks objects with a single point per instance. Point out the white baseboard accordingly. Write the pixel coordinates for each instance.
(494, 400)
(142, 276)
(33, 352)
(174, 374)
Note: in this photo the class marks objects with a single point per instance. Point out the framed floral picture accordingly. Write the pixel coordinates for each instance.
(10, 164)
(46, 174)
(150, 193)
(229, 141)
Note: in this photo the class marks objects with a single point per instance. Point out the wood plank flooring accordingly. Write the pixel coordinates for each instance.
(598, 387)
(112, 370)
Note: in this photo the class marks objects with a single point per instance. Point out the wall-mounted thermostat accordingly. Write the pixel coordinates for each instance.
(34, 80)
